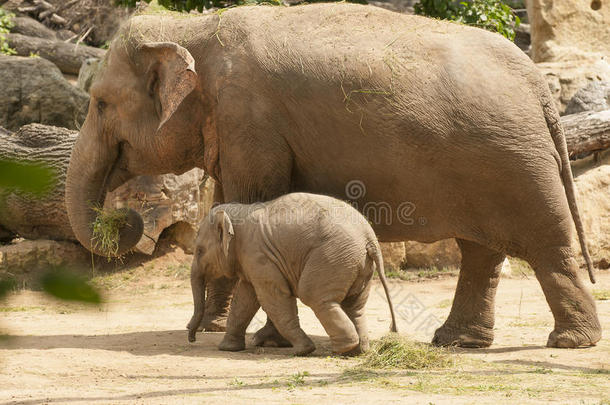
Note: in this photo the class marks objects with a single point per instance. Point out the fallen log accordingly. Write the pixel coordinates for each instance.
(587, 132)
(67, 57)
(30, 27)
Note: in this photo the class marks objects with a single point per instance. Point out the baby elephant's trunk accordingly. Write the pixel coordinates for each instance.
(374, 251)
(198, 288)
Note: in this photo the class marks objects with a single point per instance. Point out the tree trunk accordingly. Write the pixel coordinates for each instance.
(67, 57)
(587, 132)
(23, 214)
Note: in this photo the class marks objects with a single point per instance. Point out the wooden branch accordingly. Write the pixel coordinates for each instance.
(57, 19)
(67, 57)
(587, 132)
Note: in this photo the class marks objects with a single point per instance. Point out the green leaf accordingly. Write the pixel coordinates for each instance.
(69, 286)
(27, 177)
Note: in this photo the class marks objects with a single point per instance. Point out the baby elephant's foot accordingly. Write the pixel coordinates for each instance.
(572, 338)
(232, 343)
(270, 337)
(304, 348)
(352, 350)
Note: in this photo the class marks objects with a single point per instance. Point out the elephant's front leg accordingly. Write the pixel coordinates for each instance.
(471, 320)
(218, 294)
(243, 309)
(256, 163)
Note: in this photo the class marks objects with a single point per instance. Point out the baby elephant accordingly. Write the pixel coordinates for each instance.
(313, 247)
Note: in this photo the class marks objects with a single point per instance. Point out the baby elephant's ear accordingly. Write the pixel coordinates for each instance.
(225, 230)
(170, 76)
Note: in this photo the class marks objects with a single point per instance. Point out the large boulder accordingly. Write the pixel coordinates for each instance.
(33, 90)
(167, 201)
(29, 256)
(593, 97)
(593, 187)
(441, 254)
(569, 29)
(393, 255)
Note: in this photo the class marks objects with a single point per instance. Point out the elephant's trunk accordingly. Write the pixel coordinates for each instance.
(91, 166)
(198, 286)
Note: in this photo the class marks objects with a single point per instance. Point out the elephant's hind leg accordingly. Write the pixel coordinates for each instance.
(344, 338)
(573, 307)
(281, 307)
(471, 320)
(354, 308)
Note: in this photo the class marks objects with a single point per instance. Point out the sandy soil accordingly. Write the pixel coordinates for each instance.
(134, 349)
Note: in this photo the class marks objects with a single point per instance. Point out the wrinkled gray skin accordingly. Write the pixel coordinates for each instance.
(312, 247)
(453, 121)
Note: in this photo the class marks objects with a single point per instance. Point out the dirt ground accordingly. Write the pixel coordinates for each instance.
(134, 349)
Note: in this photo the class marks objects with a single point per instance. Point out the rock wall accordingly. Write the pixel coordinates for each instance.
(563, 30)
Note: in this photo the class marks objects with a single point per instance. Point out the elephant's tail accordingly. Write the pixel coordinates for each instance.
(551, 116)
(374, 252)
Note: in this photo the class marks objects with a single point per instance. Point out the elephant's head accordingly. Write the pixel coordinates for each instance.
(144, 117)
(214, 257)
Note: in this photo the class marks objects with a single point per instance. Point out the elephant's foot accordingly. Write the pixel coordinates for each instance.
(364, 345)
(217, 324)
(572, 338)
(270, 337)
(473, 337)
(304, 348)
(232, 343)
(349, 352)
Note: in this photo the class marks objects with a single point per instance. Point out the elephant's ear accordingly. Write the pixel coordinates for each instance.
(171, 76)
(225, 230)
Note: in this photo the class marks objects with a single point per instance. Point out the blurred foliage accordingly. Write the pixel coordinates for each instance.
(26, 177)
(6, 285)
(39, 180)
(6, 23)
(69, 286)
(492, 15)
(200, 5)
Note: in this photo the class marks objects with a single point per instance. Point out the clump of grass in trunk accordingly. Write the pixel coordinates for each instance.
(106, 229)
(395, 351)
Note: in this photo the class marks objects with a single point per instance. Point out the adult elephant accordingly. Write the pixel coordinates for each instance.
(448, 131)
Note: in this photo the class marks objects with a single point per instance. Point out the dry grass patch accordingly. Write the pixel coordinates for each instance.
(394, 351)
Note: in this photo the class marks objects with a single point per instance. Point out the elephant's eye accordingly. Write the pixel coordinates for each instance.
(101, 106)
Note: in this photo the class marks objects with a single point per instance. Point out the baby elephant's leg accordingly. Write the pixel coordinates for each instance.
(323, 296)
(354, 308)
(243, 309)
(343, 335)
(281, 307)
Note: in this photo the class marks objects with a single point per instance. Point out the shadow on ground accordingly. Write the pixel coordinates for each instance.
(154, 343)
